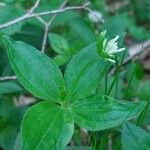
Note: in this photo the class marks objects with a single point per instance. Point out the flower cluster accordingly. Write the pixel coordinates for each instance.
(108, 49)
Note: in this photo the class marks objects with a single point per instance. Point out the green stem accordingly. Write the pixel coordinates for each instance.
(106, 80)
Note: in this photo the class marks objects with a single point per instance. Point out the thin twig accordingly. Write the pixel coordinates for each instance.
(54, 16)
(45, 38)
(7, 78)
(32, 15)
(41, 20)
(25, 16)
(47, 26)
(57, 11)
(34, 7)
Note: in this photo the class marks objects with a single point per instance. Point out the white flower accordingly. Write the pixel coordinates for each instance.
(95, 16)
(112, 46)
(109, 48)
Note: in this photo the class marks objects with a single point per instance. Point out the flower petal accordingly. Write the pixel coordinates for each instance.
(117, 51)
(111, 60)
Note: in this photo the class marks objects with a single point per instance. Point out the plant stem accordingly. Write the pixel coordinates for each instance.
(106, 80)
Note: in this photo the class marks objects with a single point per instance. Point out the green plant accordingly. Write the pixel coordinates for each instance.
(67, 100)
(82, 89)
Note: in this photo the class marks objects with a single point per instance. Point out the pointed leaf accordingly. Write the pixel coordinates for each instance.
(82, 29)
(98, 113)
(35, 71)
(43, 127)
(83, 73)
(58, 43)
(134, 138)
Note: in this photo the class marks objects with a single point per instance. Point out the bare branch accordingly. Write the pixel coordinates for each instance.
(41, 20)
(25, 16)
(45, 38)
(58, 11)
(34, 6)
(54, 16)
(32, 15)
(47, 26)
(14, 21)
(8, 78)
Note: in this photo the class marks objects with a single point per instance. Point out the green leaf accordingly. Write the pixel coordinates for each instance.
(46, 5)
(143, 90)
(112, 86)
(116, 25)
(98, 113)
(67, 130)
(31, 34)
(8, 13)
(35, 71)
(81, 27)
(134, 138)
(58, 43)
(46, 126)
(83, 73)
(9, 87)
(64, 18)
(141, 10)
(134, 73)
(61, 59)
(137, 32)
